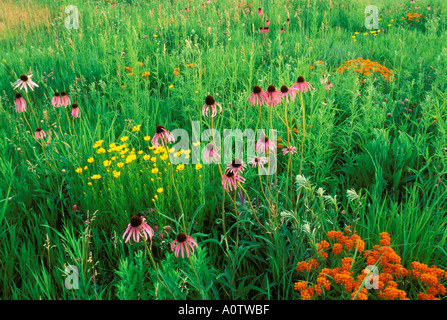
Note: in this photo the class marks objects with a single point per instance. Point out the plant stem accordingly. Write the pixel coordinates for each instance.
(251, 205)
(155, 267)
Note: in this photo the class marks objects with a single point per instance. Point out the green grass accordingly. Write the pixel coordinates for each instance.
(397, 164)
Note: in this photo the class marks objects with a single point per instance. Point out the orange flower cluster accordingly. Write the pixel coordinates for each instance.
(429, 277)
(382, 256)
(309, 265)
(129, 71)
(347, 242)
(366, 67)
(413, 17)
(386, 256)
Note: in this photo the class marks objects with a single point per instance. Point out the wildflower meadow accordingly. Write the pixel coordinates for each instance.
(223, 150)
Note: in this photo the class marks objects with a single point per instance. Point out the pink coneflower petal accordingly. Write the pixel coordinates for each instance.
(180, 245)
(136, 228)
(163, 135)
(287, 150)
(258, 97)
(210, 103)
(258, 162)
(20, 103)
(264, 144)
(287, 93)
(65, 100)
(210, 154)
(230, 180)
(75, 110)
(273, 96)
(302, 85)
(236, 166)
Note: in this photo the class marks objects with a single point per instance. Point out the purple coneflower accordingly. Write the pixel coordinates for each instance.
(286, 150)
(259, 11)
(329, 85)
(282, 30)
(230, 180)
(75, 110)
(65, 100)
(24, 82)
(56, 100)
(258, 96)
(267, 23)
(211, 153)
(20, 103)
(210, 103)
(264, 144)
(273, 95)
(39, 133)
(287, 93)
(428, 8)
(181, 243)
(164, 135)
(302, 85)
(258, 161)
(236, 166)
(136, 227)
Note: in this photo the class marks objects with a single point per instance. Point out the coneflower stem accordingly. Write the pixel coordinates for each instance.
(74, 129)
(302, 143)
(223, 220)
(263, 192)
(31, 107)
(58, 121)
(260, 118)
(304, 130)
(290, 154)
(155, 267)
(194, 270)
(24, 116)
(68, 119)
(223, 193)
(253, 209)
(175, 189)
(276, 171)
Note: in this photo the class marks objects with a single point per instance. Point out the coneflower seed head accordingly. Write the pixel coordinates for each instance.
(257, 89)
(209, 100)
(271, 88)
(136, 221)
(284, 89)
(181, 237)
